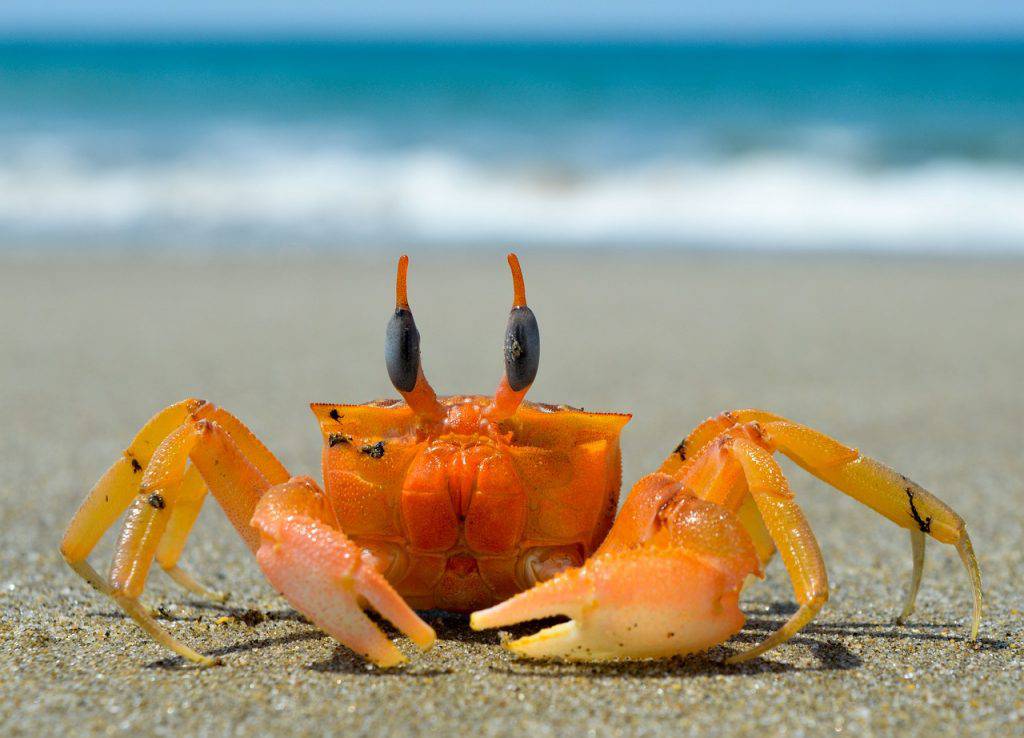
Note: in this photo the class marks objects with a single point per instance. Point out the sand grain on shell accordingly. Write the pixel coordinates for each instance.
(915, 361)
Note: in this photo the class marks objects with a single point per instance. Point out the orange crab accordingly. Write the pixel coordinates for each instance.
(499, 507)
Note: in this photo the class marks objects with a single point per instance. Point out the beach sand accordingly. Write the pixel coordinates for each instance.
(917, 362)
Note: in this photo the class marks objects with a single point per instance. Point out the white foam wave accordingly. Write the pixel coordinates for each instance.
(345, 195)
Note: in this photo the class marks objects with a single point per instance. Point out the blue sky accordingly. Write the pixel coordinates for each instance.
(516, 18)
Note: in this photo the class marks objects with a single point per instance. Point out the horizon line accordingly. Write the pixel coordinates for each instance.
(521, 37)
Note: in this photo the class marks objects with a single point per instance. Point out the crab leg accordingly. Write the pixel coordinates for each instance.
(792, 535)
(150, 479)
(325, 576)
(866, 480)
(298, 545)
(884, 490)
(190, 498)
(186, 510)
(917, 541)
(116, 489)
(235, 482)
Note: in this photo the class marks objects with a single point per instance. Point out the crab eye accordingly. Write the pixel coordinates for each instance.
(402, 350)
(522, 348)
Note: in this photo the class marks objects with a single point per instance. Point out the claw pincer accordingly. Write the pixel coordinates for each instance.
(666, 582)
(326, 576)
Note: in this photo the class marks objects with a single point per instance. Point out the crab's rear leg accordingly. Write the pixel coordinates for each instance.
(789, 529)
(189, 499)
(186, 510)
(866, 480)
(887, 492)
(236, 483)
(123, 483)
(327, 577)
(164, 494)
(116, 490)
(150, 479)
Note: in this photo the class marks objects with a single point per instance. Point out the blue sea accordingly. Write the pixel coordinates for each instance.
(820, 145)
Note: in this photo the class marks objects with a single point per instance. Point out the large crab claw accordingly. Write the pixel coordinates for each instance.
(629, 605)
(326, 577)
(674, 593)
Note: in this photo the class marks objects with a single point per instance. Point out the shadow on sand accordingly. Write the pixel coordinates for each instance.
(822, 639)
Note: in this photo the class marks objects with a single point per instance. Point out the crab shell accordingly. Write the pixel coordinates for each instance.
(464, 513)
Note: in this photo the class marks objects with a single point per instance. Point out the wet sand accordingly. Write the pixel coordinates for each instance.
(915, 361)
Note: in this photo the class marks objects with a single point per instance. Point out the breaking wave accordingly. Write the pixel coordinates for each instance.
(250, 189)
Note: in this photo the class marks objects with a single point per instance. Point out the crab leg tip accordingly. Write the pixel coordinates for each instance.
(391, 661)
(425, 642)
(189, 583)
(917, 543)
(970, 561)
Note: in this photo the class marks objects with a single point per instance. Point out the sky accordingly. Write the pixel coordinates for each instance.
(463, 18)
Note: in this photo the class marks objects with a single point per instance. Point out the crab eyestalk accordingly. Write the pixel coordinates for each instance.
(522, 351)
(402, 353)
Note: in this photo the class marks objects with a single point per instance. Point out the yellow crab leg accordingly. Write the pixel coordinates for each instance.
(150, 514)
(151, 479)
(184, 513)
(917, 541)
(866, 480)
(882, 489)
(116, 489)
(792, 535)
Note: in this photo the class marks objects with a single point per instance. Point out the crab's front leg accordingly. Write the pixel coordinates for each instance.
(326, 576)
(162, 479)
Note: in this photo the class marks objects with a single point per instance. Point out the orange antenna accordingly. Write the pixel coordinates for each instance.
(401, 291)
(519, 299)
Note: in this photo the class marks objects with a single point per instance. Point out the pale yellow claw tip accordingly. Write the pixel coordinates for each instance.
(554, 642)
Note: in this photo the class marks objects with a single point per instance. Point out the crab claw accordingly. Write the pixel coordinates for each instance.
(327, 577)
(665, 583)
(649, 602)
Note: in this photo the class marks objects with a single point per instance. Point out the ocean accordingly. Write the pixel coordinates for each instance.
(798, 145)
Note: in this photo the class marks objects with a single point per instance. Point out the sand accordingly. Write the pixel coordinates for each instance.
(915, 361)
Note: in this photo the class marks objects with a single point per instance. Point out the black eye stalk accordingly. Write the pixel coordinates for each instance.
(522, 351)
(522, 348)
(402, 350)
(402, 353)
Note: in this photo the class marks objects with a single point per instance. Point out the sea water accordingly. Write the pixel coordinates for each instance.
(878, 145)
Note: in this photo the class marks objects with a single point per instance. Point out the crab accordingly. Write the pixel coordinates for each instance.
(499, 507)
